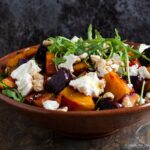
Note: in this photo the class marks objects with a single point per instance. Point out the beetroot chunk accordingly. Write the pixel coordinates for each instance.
(58, 81)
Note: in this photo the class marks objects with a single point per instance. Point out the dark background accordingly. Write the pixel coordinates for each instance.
(27, 22)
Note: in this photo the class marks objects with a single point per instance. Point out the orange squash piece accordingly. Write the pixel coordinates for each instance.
(38, 98)
(148, 68)
(75, 100)
(50, 66)
(116, 85)
(80, 67)
(147, 86)
(25, 53)
(9, 82)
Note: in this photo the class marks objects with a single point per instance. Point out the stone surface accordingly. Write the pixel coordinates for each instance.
(27, 22)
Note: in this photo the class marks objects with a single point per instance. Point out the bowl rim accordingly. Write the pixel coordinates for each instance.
(108, 112)
(31, 108)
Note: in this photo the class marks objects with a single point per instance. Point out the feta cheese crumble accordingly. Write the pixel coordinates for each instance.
(74, 39)
(83, 56)
(104, 66)
(51, 105)
(64, 109)
(89, 84)
(38, 82)
(24, 75)
(133, 70)
(70, 60)
(143, 47)
(130, 86)
(127, 102)
(30, 67)
(148, 95)
(143, 72)
(24, 84)
(109, 95)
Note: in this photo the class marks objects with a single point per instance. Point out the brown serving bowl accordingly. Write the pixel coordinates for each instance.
(88, 124)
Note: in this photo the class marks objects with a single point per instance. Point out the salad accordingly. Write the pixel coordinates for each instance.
(79, 74)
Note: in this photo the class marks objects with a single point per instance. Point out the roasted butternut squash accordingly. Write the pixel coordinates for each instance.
(38, 98)
(147, 86)
(116, 85)
(148, 68)
(80, 67)
(25, 53)
(75, 100)
(9, 82)
(50, 66)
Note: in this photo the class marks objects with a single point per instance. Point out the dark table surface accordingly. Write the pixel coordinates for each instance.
(19, 133)
(28, 22)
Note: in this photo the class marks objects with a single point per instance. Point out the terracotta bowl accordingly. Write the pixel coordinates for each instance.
(87, 124)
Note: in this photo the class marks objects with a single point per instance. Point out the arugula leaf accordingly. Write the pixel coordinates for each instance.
(90, 32)
(117, 35)
(142, 91)
(58, 60)
(13, 93)
(93, 46)
(3, 84)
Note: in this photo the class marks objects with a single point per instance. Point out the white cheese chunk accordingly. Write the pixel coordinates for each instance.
(89, 84)
(24, 84)
(142, 101)
(148, 95)
(143, 72)
(28, 78)
(51, 105)
(104, 66)
(127, 102)
(83, 56)
(143, 47)
(64, 109)
(70, 60)
(133, 70)
(30, 67)
(101, 66)
(74, 39)
(130, 86)
(38, 82)
(115, 67)
(109, 95)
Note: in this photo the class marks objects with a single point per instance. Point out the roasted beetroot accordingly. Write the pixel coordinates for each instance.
(40, 57)
(137, 82)
(107, 103)
(22, 61)
(143, 61)
(58, 81)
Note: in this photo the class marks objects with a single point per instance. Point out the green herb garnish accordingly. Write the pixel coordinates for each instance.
(142, 91)
(13, 93)
(127, 66)
(93, 45)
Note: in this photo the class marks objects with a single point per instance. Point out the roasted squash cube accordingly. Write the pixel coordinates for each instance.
(116, 85)
(50, 66)
(75, 100)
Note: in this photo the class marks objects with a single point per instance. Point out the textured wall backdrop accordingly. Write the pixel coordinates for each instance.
(27, 22)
